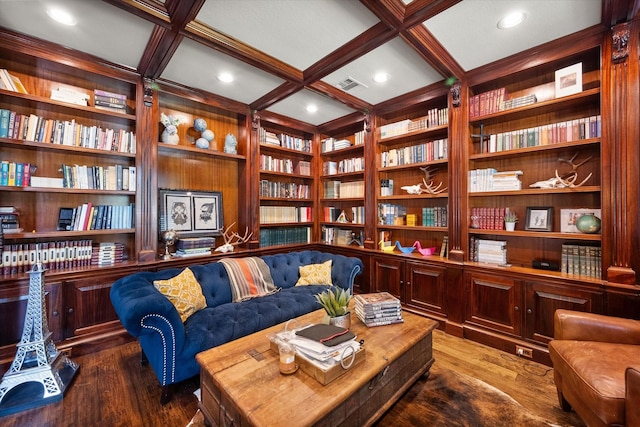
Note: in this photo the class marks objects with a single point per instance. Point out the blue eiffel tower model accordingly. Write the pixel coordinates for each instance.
(39, 373)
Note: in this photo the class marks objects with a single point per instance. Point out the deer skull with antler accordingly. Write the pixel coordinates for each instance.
(567, 180)
(232, 239)
(427, 185)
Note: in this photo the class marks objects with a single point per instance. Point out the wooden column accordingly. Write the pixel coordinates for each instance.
(620, 154)
(371, 182)
(146, 168)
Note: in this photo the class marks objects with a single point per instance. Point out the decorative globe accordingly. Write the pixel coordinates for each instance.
(589, 224)
(169, 237)
(208, 135)
(200, 125)
(202, 143)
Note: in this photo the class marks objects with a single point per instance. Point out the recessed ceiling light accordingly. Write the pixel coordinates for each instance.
(511, 20)
(61, 16)
(380, 77)
(225, 77)
(312, 108)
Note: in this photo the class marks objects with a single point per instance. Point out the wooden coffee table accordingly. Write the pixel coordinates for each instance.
(242, 386)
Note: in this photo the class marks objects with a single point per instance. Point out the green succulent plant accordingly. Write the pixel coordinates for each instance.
(335, 301)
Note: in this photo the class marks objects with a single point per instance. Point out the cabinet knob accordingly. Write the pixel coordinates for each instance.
(529, 311)
(516, 308)
(70, 310)
(55, 313)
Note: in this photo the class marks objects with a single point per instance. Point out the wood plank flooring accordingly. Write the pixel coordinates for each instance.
(112, 389)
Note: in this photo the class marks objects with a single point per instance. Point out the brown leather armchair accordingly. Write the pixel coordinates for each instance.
(596, 367)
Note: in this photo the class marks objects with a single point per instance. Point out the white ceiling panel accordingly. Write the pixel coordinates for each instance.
(295, 106)
(469, 32)
(406, 69)
(101, 30)
(298, 32)
(198, 66)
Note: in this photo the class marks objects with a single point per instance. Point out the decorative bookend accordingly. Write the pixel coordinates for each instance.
(39, 374)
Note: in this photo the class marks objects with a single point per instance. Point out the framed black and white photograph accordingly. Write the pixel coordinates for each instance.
(569, 80)
(207, 208)
(539, 219)
(190, 213)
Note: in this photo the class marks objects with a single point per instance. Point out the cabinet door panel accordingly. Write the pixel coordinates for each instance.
(494, 303)
(425, 287)
(389, 276)
(543, 299)
(623, 303)
(87, 304)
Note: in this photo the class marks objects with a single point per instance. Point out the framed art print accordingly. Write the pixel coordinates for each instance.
(539, 219)
(207, 208)
(569, 80)
(190, 213)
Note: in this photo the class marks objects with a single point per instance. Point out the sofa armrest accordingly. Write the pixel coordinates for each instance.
(582, 326)
(632, 396)
(134, 299)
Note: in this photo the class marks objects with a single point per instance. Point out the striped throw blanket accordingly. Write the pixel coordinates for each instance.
(250, 277)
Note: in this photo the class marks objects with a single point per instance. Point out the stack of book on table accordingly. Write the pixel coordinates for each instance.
(194, 246)
(379, 308)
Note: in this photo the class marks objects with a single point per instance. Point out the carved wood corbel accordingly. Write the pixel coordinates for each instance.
(148, 92)
(455, 90)
(620, 42)
(255, 121)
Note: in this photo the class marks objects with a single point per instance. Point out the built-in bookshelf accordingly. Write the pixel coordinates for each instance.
(549, 146)
(61, 151)
(412, 174)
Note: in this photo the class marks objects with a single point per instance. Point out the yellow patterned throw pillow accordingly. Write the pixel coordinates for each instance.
(315, 274)
(184, 292)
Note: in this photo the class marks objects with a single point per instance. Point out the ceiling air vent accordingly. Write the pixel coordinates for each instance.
(349, 83)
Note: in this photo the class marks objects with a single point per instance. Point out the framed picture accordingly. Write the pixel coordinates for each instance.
(569, 80)
(569, 217)
(190, 213)
(539, 219)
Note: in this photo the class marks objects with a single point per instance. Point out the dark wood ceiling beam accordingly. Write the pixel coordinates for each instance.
(361, 45)
(241, 51)
(284, 90)
(432, 51)
(149, 10)
(340, 96)
(617, 11)
(390, 12)
(419, 11)
(202, 96)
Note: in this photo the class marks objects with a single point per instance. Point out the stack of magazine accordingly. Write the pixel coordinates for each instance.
(324, 345)
(379, 308)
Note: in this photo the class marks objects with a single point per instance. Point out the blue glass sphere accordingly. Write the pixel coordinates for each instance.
(202, 143)
(199, 124)
(208, 135)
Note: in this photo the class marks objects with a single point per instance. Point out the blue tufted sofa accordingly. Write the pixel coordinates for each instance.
(171, 346)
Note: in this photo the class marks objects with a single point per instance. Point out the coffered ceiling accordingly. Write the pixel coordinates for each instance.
(286, 54)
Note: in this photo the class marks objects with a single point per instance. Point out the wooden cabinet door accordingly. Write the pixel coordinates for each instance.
(543, 299)
(624, 301)
(389, 276)
(88, 307)
(494, 302)
(425, 286)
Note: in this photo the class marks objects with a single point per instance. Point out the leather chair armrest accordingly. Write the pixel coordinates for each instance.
(632, 397)
(581, 326)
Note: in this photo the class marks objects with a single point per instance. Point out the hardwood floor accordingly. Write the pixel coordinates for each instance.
(112, 389)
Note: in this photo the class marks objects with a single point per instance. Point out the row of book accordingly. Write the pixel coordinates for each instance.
(58, 255)
(485, 218)
(435, 117)
(115, 177)
(355, 164)
(284, 190)
(35, 128)
(489, 179)
(386, 187)
(88, 216)
(14, 174)
(554, 133)
(342, 236)
(273, 164)
(494, 101)
(11, 82)
(436, 216)
(110, 101)
(581, 260)
(334, 214)
(332, 144)
(343, 190)
(488, 251)
(419, 153)
(286, 141)
(391, 214)
(9, 220)
(284, 236)
(378, 309)
(279, 214)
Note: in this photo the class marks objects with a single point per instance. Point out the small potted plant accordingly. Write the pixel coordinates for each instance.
(510, 219)
(335, 302)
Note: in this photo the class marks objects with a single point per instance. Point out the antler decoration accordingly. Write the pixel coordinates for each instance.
(428, 182)
(229, 238)
(567, 180)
